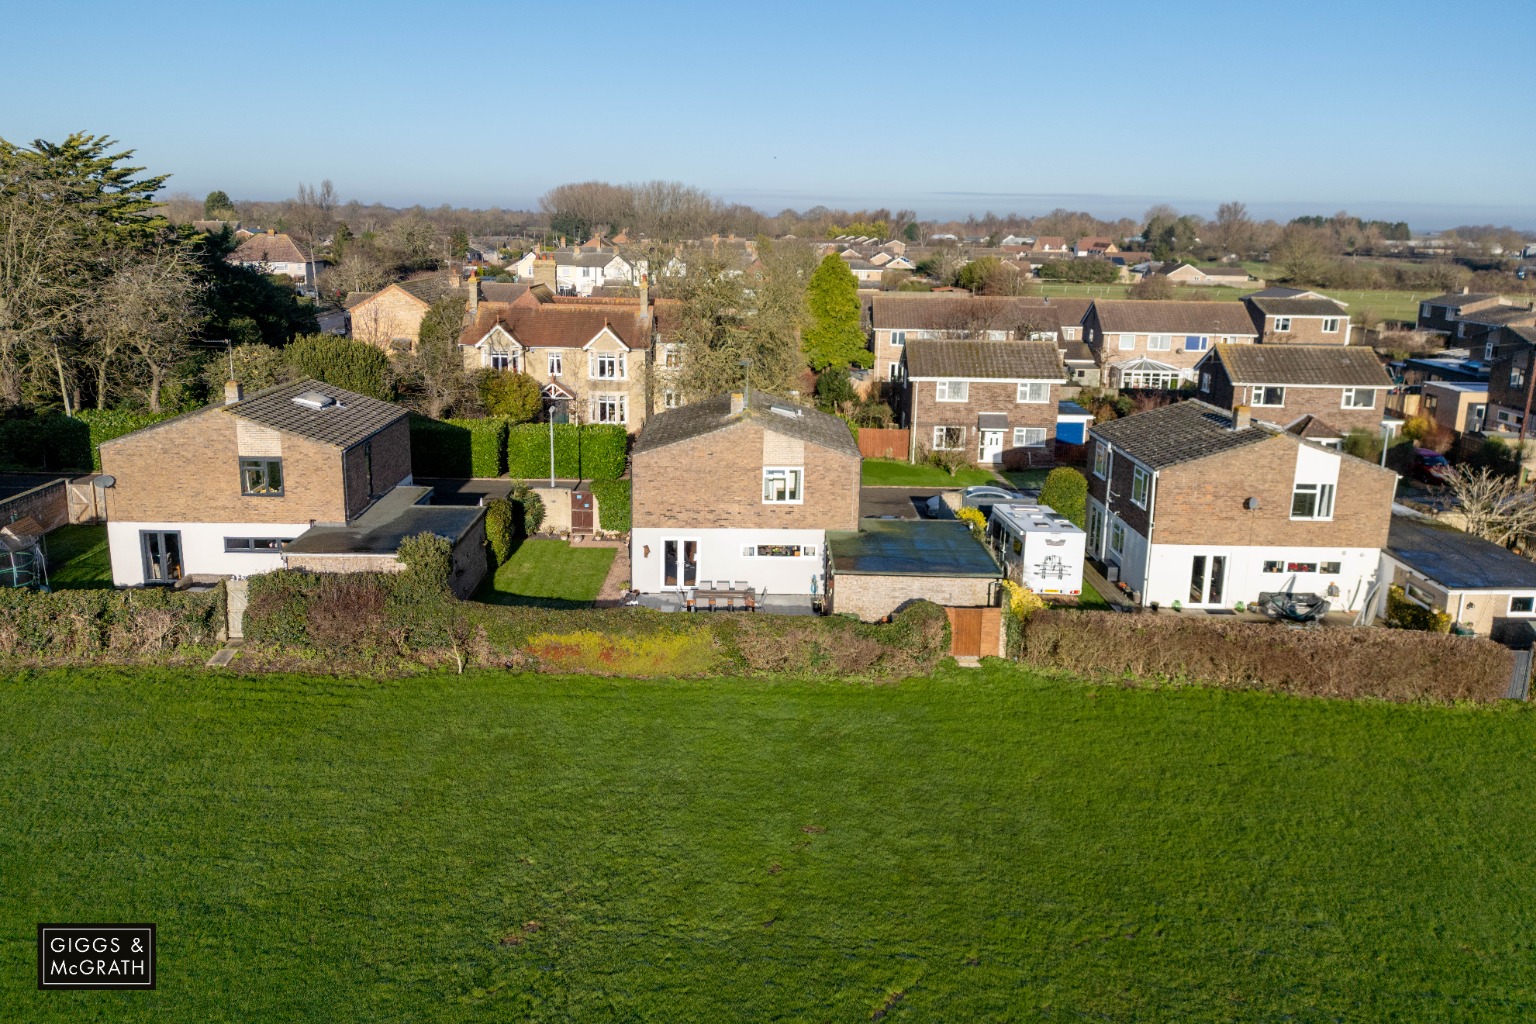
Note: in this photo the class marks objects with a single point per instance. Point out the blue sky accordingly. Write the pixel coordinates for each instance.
(1022, 106)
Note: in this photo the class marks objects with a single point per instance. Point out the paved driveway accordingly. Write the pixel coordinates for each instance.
(901, 502)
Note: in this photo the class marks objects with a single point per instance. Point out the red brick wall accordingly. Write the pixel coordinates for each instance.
(928, 412)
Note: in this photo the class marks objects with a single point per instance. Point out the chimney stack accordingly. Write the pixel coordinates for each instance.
(738, 403)
(233, 392)
(1241, 417)
(645, 304)
(472, 301)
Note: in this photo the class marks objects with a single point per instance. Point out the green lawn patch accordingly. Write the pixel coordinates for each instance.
(78, 558)
(891, 473)
(1091, 600)
(549, 574)
(986, 844)
(1026, 479)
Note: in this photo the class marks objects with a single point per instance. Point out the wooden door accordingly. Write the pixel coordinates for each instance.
(965, 632)
(581, 511)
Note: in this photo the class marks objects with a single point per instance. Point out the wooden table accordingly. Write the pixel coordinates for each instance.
(747, 597)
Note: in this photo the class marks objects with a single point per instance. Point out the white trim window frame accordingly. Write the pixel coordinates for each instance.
(1159, 343)
(1127, 342)
(898, 339)
(1351, 398)
(783, 485)
(1033, 392)
(952, 391)
(1205, 382)
(1141, 484)
(1312, 501)
(1527, 600)
(608, 366)
(1268, 396)
(609, 408)
(1117, 535)
(1331, 325)
(1100, 459)
(556, 364)
(1282, 325)
(501, 361)
(948, 439)
(1197, 342)
(1029, 437)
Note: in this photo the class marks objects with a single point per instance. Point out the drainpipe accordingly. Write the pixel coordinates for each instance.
(1146, 567)
(1461, 600)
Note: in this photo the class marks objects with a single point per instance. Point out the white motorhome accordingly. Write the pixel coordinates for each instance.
(1040, 549)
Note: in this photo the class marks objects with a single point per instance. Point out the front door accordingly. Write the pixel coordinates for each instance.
(162, 555)
(991, 447)
(1207, 580)
(581, 511)
(679, 564)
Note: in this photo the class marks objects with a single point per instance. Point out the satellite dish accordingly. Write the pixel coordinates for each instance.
(105, 480)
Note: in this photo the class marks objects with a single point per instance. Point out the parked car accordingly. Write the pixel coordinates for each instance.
(1431, 467)
(987, 494)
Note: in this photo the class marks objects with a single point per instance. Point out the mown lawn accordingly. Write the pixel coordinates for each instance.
(891, 473)
(550, 574)
(78, 558)
(980, 845)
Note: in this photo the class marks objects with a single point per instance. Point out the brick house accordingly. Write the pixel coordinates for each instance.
(986, 398)
(391, 317)
(232, 489)
(1327, 389)
(1197, 504)
(273, 253)
(740, 489)
(593, 356)
(1510, 386)
(1443, 312)
(1188, 273)
(1302, 318)
(897, 318)
(1144, 343)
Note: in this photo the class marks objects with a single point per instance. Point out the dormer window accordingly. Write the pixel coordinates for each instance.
(608, 366)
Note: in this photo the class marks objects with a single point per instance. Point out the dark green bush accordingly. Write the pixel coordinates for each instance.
(51, 443)
(353, 365)
(428, 561)
(73, 624)
(500, 529)
(1066, 491)
(440, 449)
(528, 509)
(106, 424)
(487, 445)
(1405, 614)
(595, 451)
(612, 505)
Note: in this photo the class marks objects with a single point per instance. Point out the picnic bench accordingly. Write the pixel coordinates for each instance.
(721, 595)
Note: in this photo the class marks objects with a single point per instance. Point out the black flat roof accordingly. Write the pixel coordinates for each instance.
(379, 531)
(906, 547)
(1456, 560)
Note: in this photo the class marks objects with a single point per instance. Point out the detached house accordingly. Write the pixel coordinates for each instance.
(897, 318)
(1200, 505)
(765, 481)
(1443, 312)
(391, 317)
(1304, 318)
(1319, 391)
(579, 271)
(302, 475)
(272, 253)
(1143, 343)
(985, 398)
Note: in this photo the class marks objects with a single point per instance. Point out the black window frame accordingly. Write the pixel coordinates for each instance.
(247, 545)
(265, 462)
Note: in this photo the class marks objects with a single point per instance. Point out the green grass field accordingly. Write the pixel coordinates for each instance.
(980, 845)
(78, 558)
(890, 473)
(550, 574)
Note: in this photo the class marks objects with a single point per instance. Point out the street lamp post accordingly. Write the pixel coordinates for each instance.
(747, 389)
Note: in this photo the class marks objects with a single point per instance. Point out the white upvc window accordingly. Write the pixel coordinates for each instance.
(556, 364)
(1312, 501)
(670, 399)
(1127, 342)
(1522, 604)
(1033, 392)
(1159, 342)
(1028, 437)
(899, 338)
(1331, 325)
(1268, 395)
(608, 409)
(1117, 537)
(1140, 483)
(948, 438)
(502, 361)
(1359, 398)
(894, 371)
(607, 366)
(782, 485)
(953, 391)
(1282, 324)
(1100, 459)
(1424, 311)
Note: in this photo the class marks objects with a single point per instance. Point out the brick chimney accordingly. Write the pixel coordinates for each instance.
(738, 403)
(233, 392)
(1242, 417)
(472, 300)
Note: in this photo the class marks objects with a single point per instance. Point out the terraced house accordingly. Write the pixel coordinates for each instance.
(993, 400)
(1290, 316)
(1320, 392)
(1150, 344)
(1203, 506)
(896, 319)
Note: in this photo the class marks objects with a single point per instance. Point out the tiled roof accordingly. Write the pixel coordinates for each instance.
(700, 418)
(501, 291)
(1151, 316)
(1456, 560)
(984, 360)
(1298, 306)
(941, 311)
(1459, 298)
(1224, 272)
(353, 418)
(1178, 433)
(1303, 365)
(547, 324)
(584, 259)
(1076, 351)
(1278, 292)
(427, 289)
(1313, 429)
(1501, 316)
(267, 249)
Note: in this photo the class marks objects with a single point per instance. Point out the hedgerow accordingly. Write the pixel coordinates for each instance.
(613, 510)
(71, 625)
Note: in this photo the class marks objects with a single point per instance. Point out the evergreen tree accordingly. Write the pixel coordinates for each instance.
(1066, 491)
(354, 365)
(217, 205)
(834, 337)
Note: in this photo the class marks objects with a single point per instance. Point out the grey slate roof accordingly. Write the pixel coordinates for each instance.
(427, 289)
(353, 419)
(775, 414)
(1459, 298)
(1296, 306)
(984, 360)
(1182, 432)
(1456, 560)
(909, 547)
(1303, 365)
(1151, 316)
(1500, 316)
(502, 291)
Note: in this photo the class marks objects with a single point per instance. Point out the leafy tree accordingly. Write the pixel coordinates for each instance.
(217, 205)
(514, 395)
(1152, 286)
(834, 337)
(459, 243)
(974, 274)
(912, 232)
(353, 365)
(1066, 491)
(500, 529)
(834, 391)
(1085, 269)
(239, 296)
(256, 366)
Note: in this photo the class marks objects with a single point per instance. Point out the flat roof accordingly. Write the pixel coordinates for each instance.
(1458, 385)
(379, 531)
(907, 547)
(1456, 560)
(1029, 518)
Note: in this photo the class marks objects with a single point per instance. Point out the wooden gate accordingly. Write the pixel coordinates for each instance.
(581, 511)
(973, 632)
(883, 443)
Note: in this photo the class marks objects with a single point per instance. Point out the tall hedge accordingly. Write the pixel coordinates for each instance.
(594, 451)
(612, 505)
(353, 365)
(458, 448)
(105, 424)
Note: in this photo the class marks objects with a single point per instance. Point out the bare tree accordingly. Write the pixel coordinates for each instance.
(153, 305)
(1495, 507)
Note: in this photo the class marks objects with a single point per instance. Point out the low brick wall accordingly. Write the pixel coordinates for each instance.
(557, 509)
(48, 504)
(872, 598)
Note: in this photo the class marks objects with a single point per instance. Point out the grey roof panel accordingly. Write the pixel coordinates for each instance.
(1456, 560)
(1303, 365)
(1182, 432)
(910, 547)
(700, 418)
(984, 360)
(379, 531)
(352, 419)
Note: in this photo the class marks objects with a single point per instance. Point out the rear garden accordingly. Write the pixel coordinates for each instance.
(549, 574)
(971, 845)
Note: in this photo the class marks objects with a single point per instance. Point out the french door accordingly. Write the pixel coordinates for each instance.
(1207, 580)
(679, 564)
(162, 555)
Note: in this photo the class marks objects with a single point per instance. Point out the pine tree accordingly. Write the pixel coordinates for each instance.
(834, 337)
